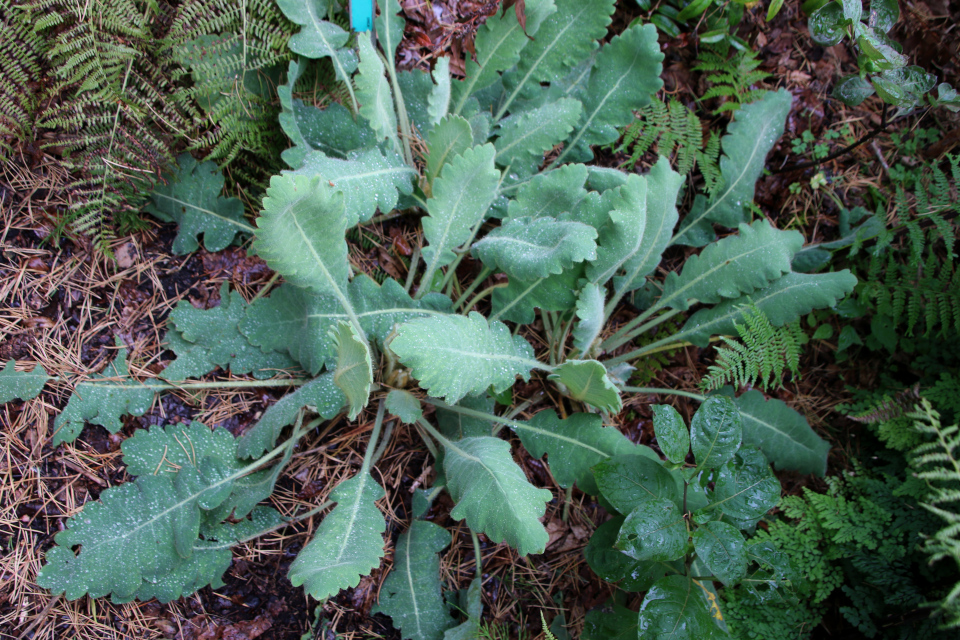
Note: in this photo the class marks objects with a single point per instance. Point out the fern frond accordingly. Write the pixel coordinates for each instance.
(21, 51)
(731, 78)
(761, 356)
(677, 132)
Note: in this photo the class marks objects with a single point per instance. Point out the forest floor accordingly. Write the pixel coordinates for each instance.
(66, 306)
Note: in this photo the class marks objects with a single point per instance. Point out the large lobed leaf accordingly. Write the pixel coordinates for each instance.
(348, 544)
(522, 139)
(369, 180)
(755, 128)
(411, 593)
(587, 381)
(22, 385)
(373, 92)
(573, 445)
(736, 265)
(453, 356)
(624, 77)
(354, 372)
(206, 339)
(102, 399)
(493, 495)
(461, 196)
(319, 38)
(191, 198)
(528, 248)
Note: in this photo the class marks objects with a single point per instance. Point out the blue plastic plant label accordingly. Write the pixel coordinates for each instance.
(361, 15)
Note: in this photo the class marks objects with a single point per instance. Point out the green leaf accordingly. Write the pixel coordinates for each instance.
(206, 339)
(22, 385)
(354, 372)
(622, 237)
(373, 92)
(389, 26)
(301, 233)
(612, 622)
(672, 435)
(296, 321)
(738, 264)
(655, 530)
(456, 425)
(587, 381)
(472, 605)
(404, 405)
(590, 313)
(516, 302)
(629, 480)
(884, 14)
(528, 248)
(348, 544)
(550, 193)
(319, 38)
(319, 393)
(755, 129)
(461, 196)
(722, 549)
(137, 531)
(368, 180)
(773, 571)
(411, 593)
(416, 88)
(746, 487)
(903, 87)
(880, 49)
(625, 76)
(453, 356)
(190, 197)
(498, 45)
(782, 434)
(524, 138)
(676, 608)
(102, 399)
(852, 10)
(439, 100)
(663, 185)
(450, 138)
(852, 90)
(165, 450)
(615, 566)
(573, 445)
(332, 130)
(792, 296)
(493, 495)
(826, 24)
(564, 39)
(716, 432)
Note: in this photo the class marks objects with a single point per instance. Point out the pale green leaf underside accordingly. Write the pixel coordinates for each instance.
(587, 381)
(439, 100)
(493, 495)
(404, 405)
(348, 543)
(522, 139)
(590, 315)
(550, 193)
(453, 356)
(319, 38)
(373, 92)
(448, 139)
(622, 237)
(411, 593)
(21, 385)
(528, 248)
(354, 372)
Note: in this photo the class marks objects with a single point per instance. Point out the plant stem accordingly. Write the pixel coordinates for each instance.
(412, 271)
(629, 331)
(477, 553)
(484, 274)
(431, 447)
(480, 296)
(185, 385)
(405, 132)
(676, 392)
(266, 288)
(371, 445)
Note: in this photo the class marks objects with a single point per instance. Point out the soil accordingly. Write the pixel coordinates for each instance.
(65, 306)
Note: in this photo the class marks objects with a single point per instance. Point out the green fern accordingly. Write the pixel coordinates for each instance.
(732, 78)
(938, 464)
(676, 130)
(919, 285)
(111, 108)
(762, 355)
(21, 52)
(234, 53)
